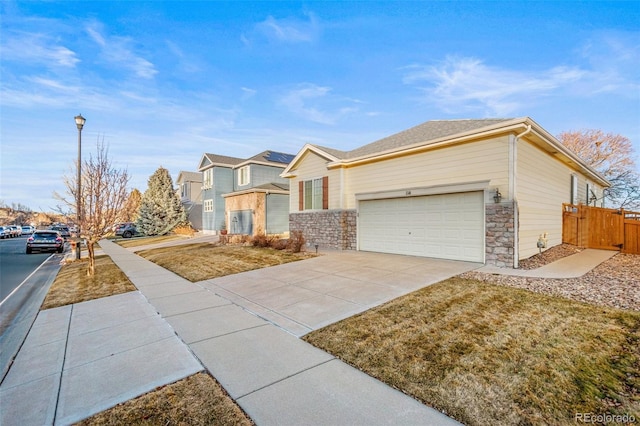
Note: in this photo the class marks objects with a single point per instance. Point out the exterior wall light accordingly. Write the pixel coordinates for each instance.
(498, 197)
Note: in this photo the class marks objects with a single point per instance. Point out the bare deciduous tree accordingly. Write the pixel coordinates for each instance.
(104, 193)
(612, 156)
(129, 212)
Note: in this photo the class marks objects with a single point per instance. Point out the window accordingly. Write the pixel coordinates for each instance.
(574, 189)
(314, 194)
(183, 190)
(243, 176)
(207, 179)
(208, 205)
(592, 198)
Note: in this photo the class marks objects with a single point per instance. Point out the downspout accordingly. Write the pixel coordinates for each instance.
(266, 212)
(514, 200)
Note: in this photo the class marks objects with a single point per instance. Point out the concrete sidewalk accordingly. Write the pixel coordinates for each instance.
(573, 266)
(81, 359)
(275, 377)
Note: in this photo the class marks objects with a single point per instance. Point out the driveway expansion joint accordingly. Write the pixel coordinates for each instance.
(304, 370)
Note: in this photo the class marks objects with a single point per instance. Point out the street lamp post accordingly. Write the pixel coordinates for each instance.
(80, 120)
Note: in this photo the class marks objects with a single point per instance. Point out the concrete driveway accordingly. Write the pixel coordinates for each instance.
(303, 296)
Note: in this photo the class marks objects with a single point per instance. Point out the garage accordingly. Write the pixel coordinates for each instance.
(445, 226)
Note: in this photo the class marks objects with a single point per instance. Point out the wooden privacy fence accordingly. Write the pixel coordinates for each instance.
(600, 228)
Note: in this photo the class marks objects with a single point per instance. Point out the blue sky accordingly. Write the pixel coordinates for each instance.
(163, 82)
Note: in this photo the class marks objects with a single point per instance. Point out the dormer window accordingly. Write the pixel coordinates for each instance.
(243, 176)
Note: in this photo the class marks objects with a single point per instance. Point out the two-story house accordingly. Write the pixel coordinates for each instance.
(245, 196)
(190, 192)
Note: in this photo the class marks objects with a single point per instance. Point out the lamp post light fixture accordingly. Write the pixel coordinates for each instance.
(80, 120)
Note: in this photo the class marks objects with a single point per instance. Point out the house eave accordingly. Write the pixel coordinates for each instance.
(286, 173)
(543, 139)
(262, 163)
(255, 190)
(428, 145)
(556, 149)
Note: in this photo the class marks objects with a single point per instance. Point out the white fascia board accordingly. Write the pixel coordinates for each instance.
(307, 147)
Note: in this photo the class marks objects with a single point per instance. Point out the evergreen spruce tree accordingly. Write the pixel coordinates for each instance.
(160, 209)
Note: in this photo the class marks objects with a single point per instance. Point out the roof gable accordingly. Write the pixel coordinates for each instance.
(326, 153)
(185, 176)
(209, 160)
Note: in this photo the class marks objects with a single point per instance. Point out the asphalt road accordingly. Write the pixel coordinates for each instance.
(15, 264)
(24, 280)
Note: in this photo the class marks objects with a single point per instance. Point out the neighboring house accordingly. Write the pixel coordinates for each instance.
(245, 196)
(190, 191)
(474, 190)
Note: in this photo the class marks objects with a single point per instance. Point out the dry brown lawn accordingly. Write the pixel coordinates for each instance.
(486, 354)
(203, 261)
(196, 400)
(72, 285)
(143, 241)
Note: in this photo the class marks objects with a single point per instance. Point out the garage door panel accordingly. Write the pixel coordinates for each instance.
(449, 226)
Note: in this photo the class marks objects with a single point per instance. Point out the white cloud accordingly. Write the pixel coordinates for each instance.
(120, 52)
(614, 58)
(315, 103)
(248, 93)
(35, 48)
(288, 30)
(469, 84)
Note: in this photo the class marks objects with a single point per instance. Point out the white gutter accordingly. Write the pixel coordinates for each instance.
(421, 146)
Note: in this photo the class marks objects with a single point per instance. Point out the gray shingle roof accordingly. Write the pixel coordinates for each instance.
(272, 157)
(223, 159)
(191, 176)
(422, 133)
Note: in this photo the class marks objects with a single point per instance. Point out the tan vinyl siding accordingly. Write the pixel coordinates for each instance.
(313, 166)
(542, 186)
(482, 160)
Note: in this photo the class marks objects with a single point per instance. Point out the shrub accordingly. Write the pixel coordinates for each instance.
(184, 230)
(260, 241)
(280, 244)
(296, 241)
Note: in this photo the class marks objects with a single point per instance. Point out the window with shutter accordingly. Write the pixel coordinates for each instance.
(314, 194)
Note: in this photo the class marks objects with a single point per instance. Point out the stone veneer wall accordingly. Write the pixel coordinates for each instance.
(334, 229)
(500, 234)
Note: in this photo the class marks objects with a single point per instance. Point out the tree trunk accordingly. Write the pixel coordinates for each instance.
(91, 270)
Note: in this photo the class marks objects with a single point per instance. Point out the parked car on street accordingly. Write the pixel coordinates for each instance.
(4, 232)
(45, 240)
(126, 229)
(16, 230)
(27, 230)
(63, 230)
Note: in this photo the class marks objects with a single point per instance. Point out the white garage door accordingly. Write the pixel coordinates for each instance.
(446, 226)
